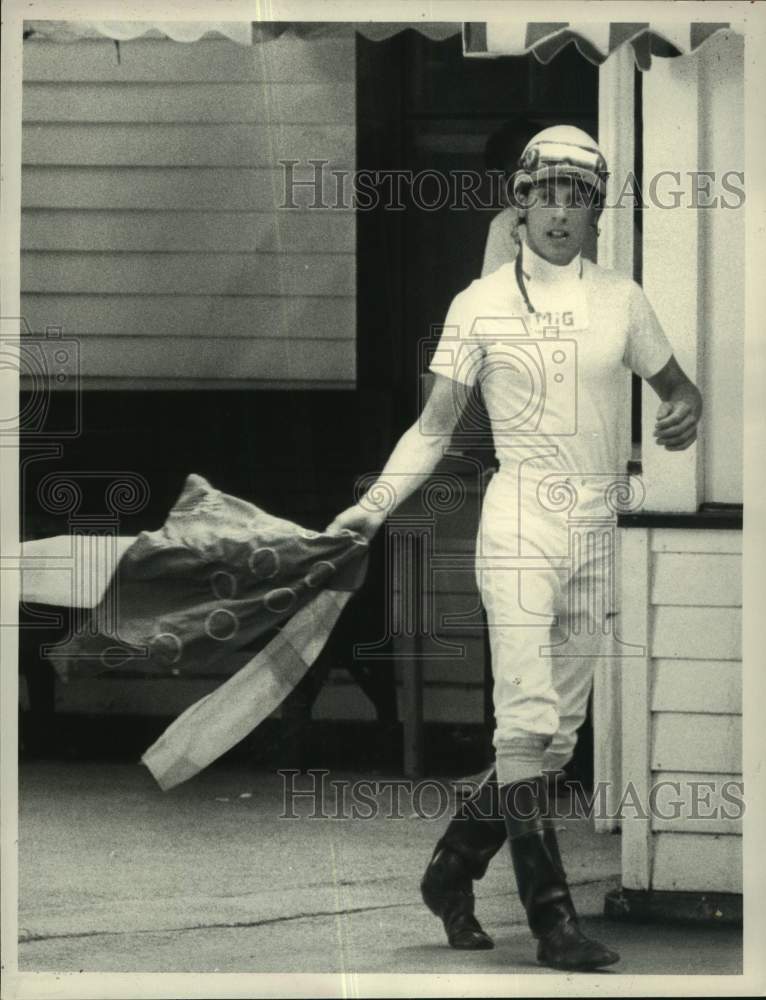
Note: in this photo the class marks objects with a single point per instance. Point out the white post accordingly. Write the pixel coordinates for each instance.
(636, 693)
(616, 136)
(671, 261)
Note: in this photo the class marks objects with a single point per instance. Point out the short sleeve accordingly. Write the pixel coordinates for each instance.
(647, 349)
(459, 354)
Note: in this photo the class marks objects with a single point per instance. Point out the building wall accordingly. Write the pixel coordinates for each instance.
(722, 150)
(694, 261)
(150, 226)
(682, 705)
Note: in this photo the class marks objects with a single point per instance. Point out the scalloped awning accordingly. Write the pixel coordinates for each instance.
(243, 32)
(544, 39)
(596, 41)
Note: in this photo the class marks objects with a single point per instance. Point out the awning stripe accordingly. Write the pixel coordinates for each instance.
(475, 38)
(538, 31)
(702, 30)
(595, 41)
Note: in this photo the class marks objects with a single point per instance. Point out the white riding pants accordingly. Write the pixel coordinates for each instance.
(546, 580)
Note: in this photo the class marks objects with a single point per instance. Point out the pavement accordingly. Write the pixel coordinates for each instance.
(117, 876)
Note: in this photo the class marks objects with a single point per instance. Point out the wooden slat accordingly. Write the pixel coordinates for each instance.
(453, 704)
(697, 742)
(455, 581)
(469, 670)
(211, 232)
(216, 358)
(409, 697)
(342, 701)
(116, 383)
(706, 686)
(120, 696)
(690, 578)
(192, 316)
(697, 633)
(688, 802)
(210, 60)
(690, 540)
(691, 862)
(445, 606)
(178, 145)
(295, 103)
(181, 274)
(636, 717)
(170, 188)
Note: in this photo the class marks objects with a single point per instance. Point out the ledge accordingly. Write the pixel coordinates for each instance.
(720, 516)
(653, 906)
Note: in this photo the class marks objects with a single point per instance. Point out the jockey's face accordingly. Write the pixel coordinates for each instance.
(558, 214)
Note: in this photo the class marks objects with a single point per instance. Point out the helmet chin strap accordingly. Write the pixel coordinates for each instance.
(521, 282)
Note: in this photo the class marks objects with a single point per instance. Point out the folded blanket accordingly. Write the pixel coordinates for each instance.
(218, 575)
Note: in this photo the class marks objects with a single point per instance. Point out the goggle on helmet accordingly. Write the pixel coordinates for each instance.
(548, 159)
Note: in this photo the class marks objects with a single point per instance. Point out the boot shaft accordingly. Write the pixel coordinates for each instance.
(540, 875)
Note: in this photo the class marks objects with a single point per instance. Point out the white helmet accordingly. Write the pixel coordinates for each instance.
(561, 150)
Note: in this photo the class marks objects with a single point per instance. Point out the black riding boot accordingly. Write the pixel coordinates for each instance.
(463, 854)
(542, 883)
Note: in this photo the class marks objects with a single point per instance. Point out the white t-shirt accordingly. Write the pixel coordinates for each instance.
(554, 383)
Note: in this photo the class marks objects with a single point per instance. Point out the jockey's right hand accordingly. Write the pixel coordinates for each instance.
(357, 518)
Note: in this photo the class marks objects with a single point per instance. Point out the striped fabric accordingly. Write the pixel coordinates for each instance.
(219, 575)
(594, 40)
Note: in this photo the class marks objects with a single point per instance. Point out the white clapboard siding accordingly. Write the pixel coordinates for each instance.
(215, 358)
(688, 862)
(219, 189)
(209, 60)
(289, 103)
(697, 686)
(697, 633)
(154, 231)
(687, 741)
(695, 578)
(683, 724)
(227, 317)
(691, 540)
(170, 145)
(693, 802)
(183, 274)
(152, 209)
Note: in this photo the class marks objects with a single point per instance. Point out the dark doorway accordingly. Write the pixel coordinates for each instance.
(423, 106)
